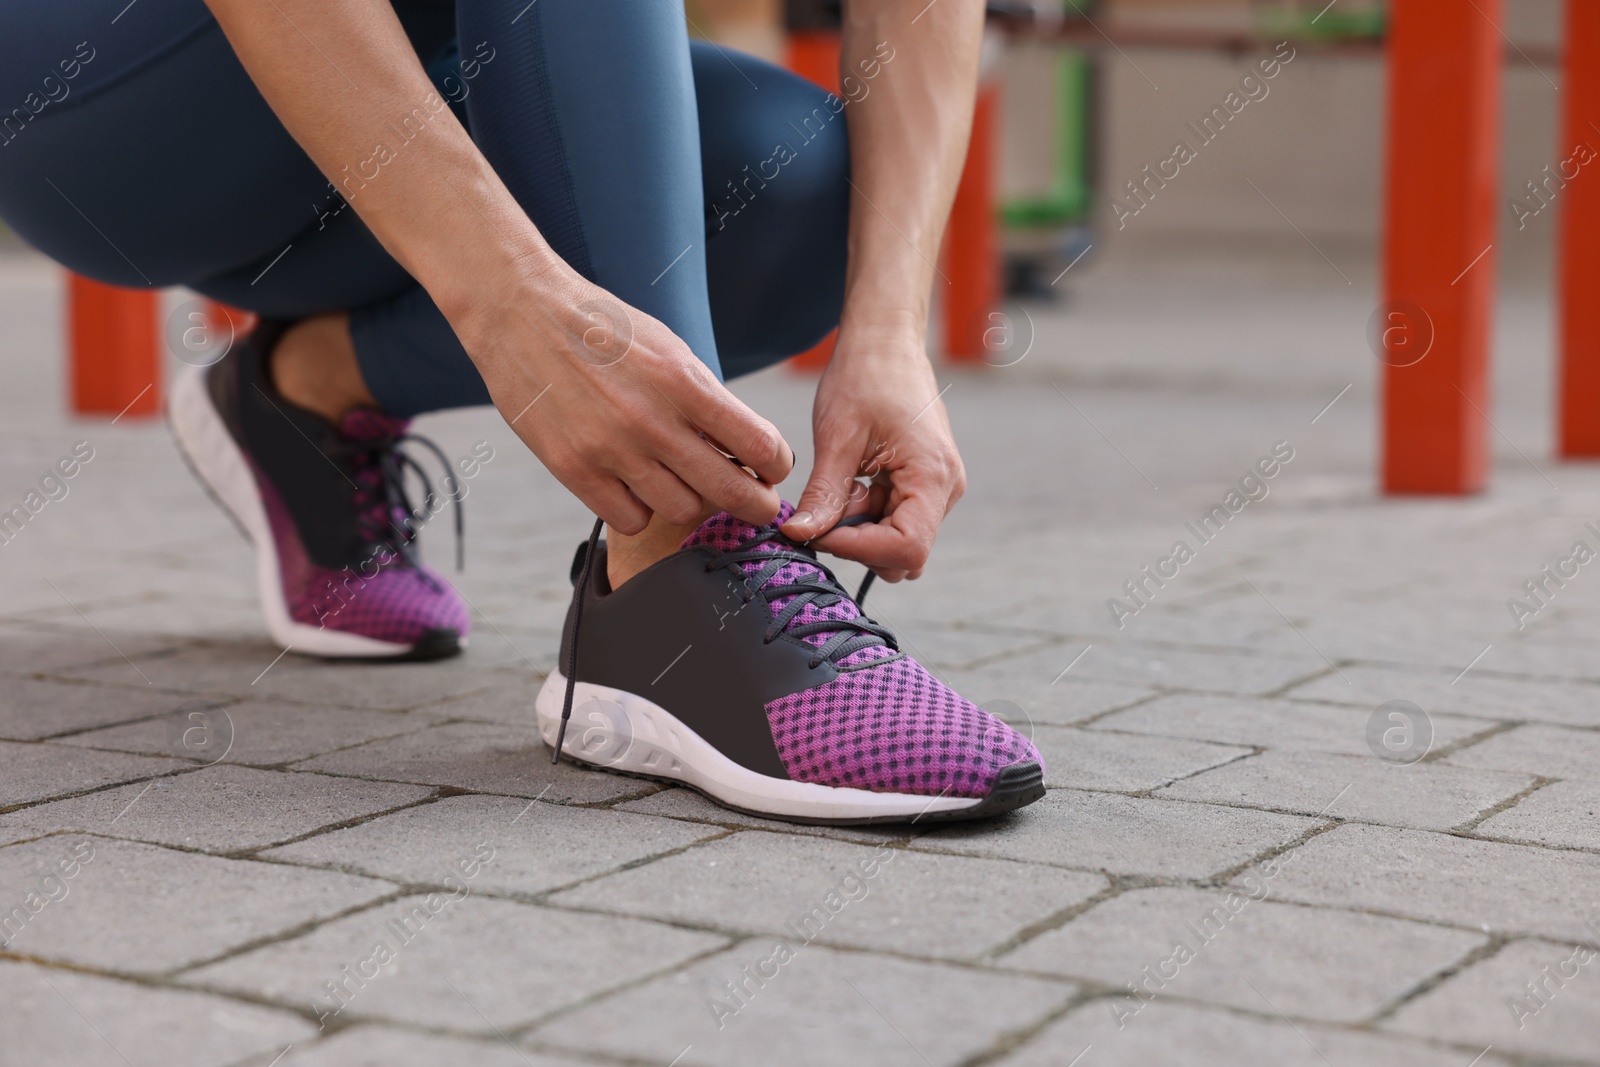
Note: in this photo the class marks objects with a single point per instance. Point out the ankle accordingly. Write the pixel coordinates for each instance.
(314, 366)
(628, 554)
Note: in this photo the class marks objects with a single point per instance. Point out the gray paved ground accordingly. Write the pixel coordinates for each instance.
(378, 865)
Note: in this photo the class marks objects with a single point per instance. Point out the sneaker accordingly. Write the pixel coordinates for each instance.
(326, 508)
(738, 666)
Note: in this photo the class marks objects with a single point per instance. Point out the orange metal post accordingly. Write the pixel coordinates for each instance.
(814, 54)
(1444, 111)
(1579, 404)
(114, 339)
(972, 241)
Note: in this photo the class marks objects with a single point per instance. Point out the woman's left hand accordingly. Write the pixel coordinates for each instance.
(878, 415)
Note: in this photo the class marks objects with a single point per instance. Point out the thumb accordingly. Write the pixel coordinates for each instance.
(826, 494)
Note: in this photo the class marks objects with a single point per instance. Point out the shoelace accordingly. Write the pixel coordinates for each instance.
(820, 590)
(384, 519)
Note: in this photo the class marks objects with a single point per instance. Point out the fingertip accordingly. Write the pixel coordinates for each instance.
(801, 520)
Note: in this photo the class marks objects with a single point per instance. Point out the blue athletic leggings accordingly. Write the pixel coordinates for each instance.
(705, 187)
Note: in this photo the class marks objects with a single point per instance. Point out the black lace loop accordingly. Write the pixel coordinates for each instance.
(392, 464)
(819, 589)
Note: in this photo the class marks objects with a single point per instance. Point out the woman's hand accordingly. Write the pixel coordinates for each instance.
(878, 413)
(878, 416)
(614, 404)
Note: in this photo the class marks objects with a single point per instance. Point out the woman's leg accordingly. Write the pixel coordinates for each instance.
(777, 176)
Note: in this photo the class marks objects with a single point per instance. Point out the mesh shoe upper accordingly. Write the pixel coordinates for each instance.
(378, 594)
(334, 495)
(884, 724)
(893, 727)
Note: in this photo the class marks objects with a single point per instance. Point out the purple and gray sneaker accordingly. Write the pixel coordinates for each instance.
(739, 666)
(325, 506)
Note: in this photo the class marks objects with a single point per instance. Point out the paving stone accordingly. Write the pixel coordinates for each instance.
(1177, 668)
(253, 669)
(139, 908)
(510, 703)
(55, 1016)
(1538, 998)
(534, 846)
(29, 647)
(1125, 835)
(482, 757)
(1276, 724)
(462, 963)
(819, 1006)
(1562, 814)
(953, 647)
(1427, 795)
(1198, 944)
(684, 803)
(1240, 626)
(1421, 640)
(1561, 651)
(1503, 888)
(36, 772)
(803, 889)
(1032, 696)
(169, 613)
(1552, 751)
(1166, 1032)
(1477, 693)
(218, 809)
(1089, 759)
(31, 709)
(260, 732)
(375, 1046)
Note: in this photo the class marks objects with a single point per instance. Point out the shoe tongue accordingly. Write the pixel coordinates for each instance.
(723, 531)
(370, 424)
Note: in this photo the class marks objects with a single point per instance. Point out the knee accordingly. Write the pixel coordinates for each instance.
(810, 163)
(788, 158)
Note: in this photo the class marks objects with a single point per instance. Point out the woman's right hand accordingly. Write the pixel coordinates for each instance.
(614, 404)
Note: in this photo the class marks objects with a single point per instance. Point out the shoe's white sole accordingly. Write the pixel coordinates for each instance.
(622, 731)
(216, 459)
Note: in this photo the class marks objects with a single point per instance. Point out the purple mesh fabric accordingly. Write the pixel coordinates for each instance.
(382, 599)
(893, 728)
(724, 531)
